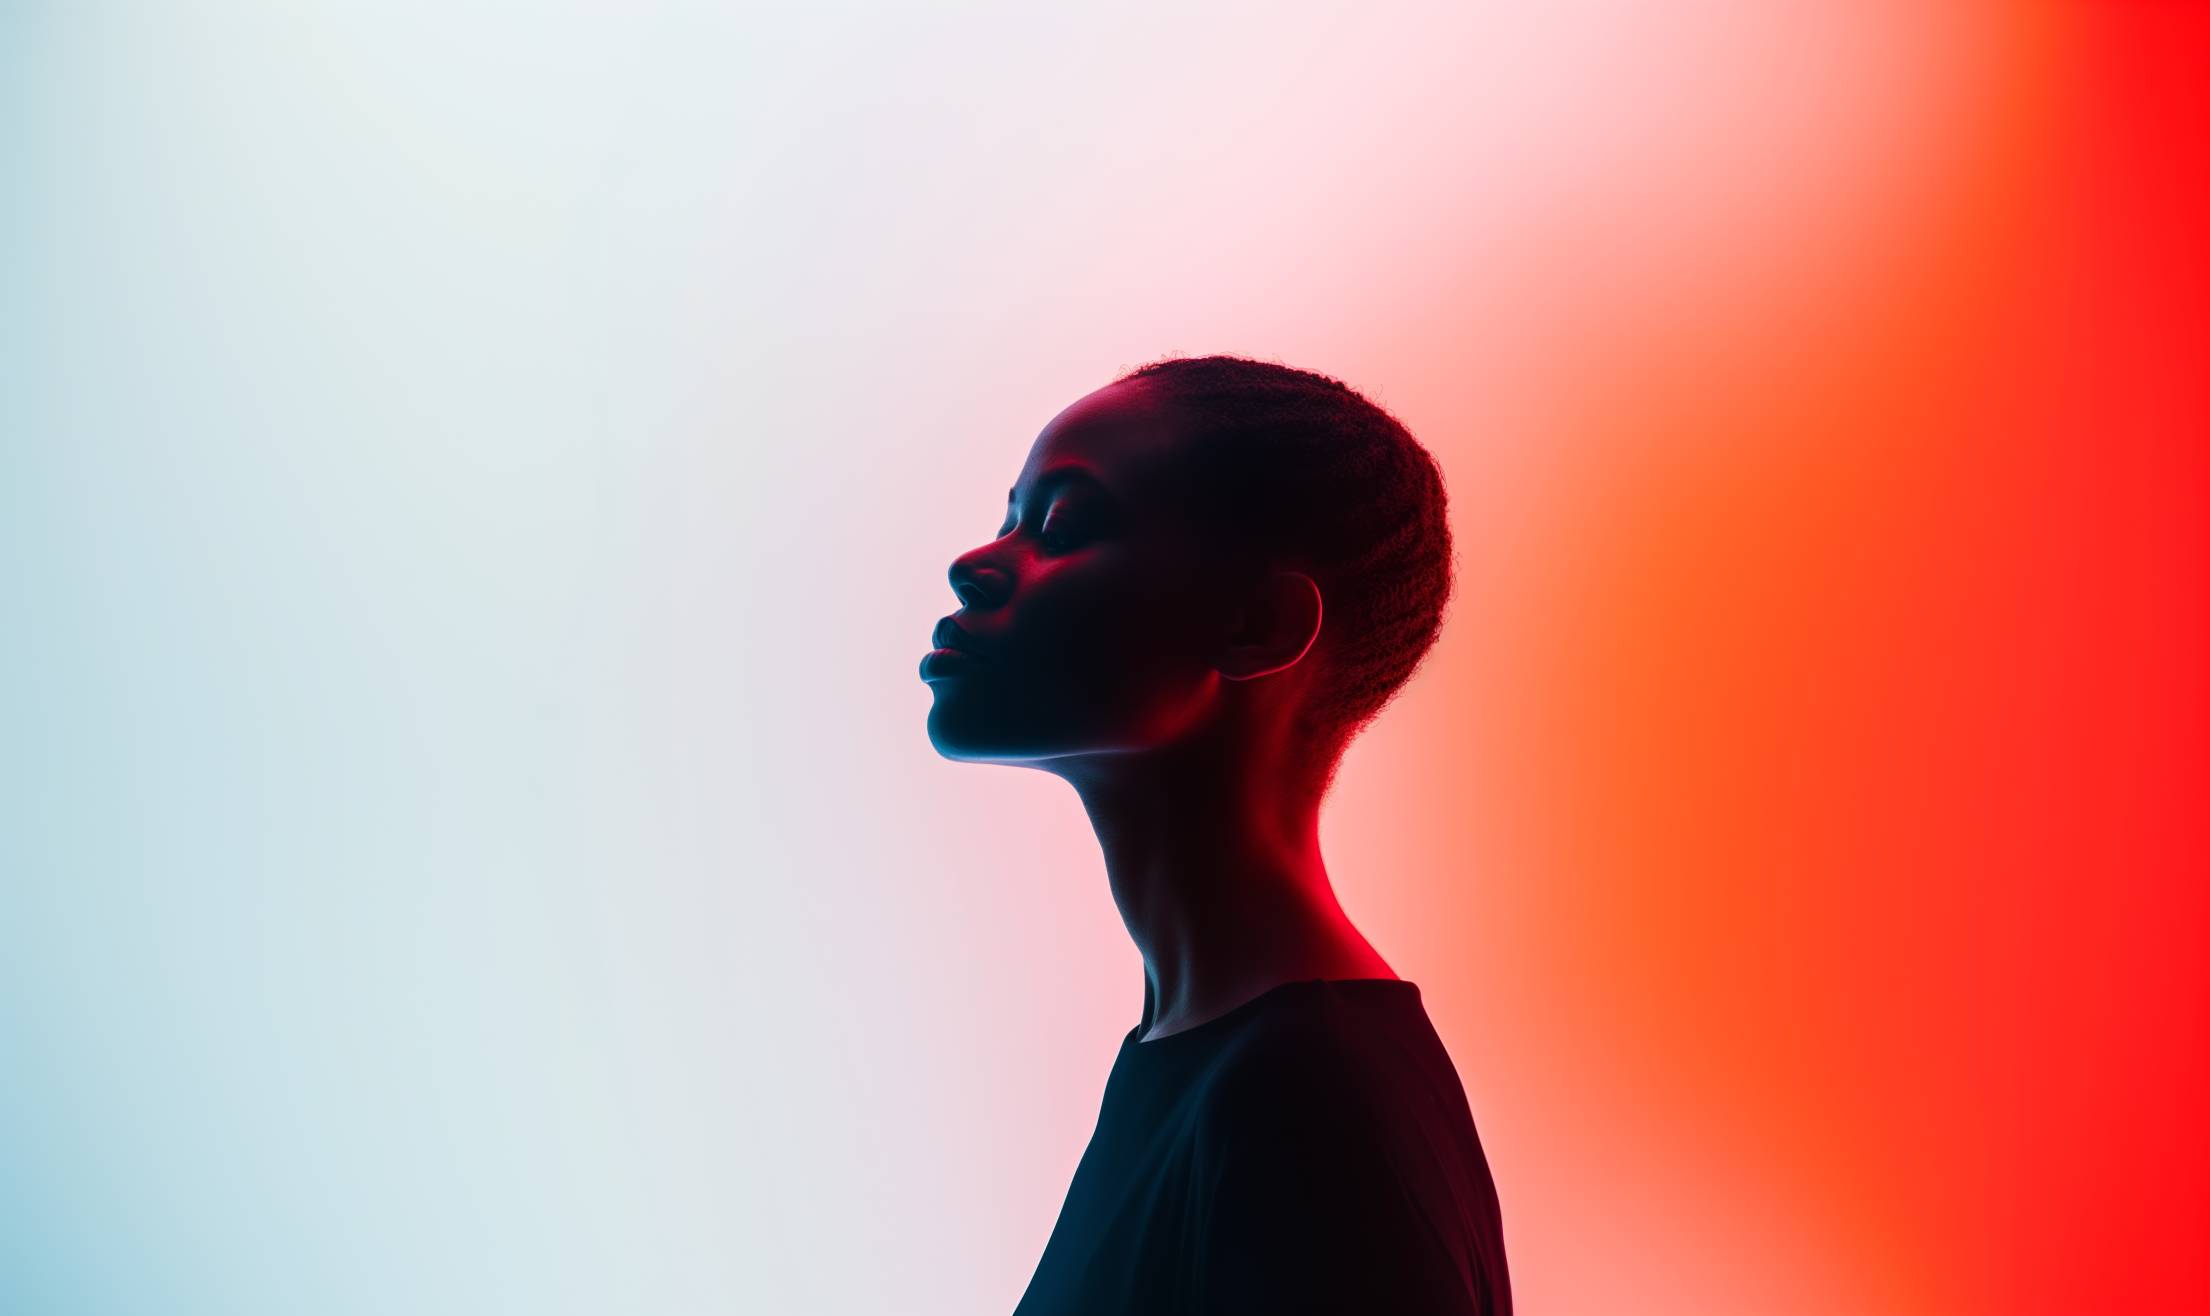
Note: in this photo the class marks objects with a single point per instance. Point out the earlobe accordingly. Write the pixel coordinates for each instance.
(1277, 628)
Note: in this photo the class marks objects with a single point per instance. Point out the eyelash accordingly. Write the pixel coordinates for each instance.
(1055, 540)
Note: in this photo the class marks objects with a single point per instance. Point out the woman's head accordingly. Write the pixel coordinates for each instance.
(1201, 538)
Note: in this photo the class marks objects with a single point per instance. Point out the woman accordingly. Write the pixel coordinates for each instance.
(1212, 573)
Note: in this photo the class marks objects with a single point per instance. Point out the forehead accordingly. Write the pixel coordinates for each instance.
(1122, 434)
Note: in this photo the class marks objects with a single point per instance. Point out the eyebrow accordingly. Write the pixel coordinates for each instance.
(1063, 473)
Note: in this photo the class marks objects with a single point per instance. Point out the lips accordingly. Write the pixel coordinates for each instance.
(948, 635)
(937, 664)
(955, 652)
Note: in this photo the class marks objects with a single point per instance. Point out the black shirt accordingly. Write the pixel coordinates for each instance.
(1309, 1151)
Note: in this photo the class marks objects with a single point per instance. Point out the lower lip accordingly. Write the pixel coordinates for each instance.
(939, 663)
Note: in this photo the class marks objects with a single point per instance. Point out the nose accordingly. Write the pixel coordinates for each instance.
(976, 583)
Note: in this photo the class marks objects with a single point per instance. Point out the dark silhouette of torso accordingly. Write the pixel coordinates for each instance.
(1311, 1150)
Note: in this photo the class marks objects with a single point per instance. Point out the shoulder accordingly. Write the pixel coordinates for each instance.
(1318, 1186)
(1297, 1074)
(1338, 1170)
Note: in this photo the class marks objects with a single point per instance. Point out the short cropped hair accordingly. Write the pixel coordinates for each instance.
(1297, 469)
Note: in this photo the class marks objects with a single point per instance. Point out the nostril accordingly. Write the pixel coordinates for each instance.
(963, 580)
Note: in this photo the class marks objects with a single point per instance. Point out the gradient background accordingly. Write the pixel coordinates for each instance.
(478, 480)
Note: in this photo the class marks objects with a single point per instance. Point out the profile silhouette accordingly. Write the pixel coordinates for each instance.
(1212, 574)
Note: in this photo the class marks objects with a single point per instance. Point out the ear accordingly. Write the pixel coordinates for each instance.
(1279, 622)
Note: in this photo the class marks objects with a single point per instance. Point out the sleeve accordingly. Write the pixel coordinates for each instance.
(1311, 1211)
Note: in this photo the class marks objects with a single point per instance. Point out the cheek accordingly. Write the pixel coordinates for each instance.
(1115, 636)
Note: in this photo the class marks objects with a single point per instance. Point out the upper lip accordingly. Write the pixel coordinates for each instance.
(948, 635)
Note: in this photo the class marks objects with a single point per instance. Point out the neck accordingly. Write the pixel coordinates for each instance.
(1214, 860)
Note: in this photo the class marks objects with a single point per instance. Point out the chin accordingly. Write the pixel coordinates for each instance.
(964, 742)
(960, 743)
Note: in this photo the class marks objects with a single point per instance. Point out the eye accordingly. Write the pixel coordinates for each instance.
(1056, 537)
(1054, 534)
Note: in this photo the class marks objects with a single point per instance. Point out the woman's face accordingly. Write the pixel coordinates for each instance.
(1088, 616)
